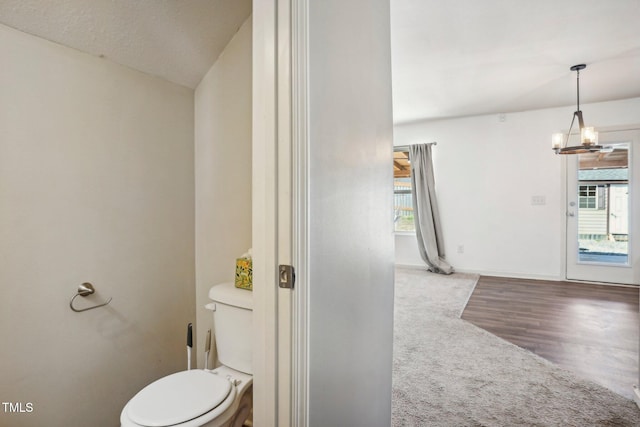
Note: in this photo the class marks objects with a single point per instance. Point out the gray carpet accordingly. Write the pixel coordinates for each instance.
(448, 372)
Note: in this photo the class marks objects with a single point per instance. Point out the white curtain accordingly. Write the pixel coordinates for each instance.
(425, 209)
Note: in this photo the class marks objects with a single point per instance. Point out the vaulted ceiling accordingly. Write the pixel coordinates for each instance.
(449, 58)
(469, 57)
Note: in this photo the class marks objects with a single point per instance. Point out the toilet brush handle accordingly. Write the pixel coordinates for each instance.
(189, 344)
(207, 348)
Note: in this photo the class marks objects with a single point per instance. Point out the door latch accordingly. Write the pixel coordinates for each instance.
(286, 276)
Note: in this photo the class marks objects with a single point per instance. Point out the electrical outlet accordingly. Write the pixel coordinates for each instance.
(538, 200)
(460, 249)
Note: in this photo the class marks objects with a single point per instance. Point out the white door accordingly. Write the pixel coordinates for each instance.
(619, 213)
(603, 200)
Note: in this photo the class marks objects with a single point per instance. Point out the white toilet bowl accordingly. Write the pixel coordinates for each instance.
(212, 398)
(195, 398)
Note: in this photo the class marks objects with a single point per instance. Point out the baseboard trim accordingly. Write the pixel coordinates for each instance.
(412, 266)
(489, 273)
(636, 395)
(512, 275)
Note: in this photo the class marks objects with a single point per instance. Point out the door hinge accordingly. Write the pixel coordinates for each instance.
(286, 276)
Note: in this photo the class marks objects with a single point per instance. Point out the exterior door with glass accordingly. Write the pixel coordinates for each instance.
(603, 211)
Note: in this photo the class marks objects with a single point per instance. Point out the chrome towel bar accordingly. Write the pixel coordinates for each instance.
(84, 290)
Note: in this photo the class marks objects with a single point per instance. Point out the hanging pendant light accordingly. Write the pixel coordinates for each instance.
(588, 135)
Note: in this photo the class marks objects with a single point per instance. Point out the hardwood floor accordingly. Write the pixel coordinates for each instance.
(592, 330)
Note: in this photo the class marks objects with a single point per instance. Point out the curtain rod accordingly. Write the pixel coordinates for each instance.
(406, 147)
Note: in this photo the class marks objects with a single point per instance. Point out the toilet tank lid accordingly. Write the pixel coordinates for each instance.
(227, 293)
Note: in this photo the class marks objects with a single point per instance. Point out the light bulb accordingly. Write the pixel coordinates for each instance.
(556, 140)
(588, 136)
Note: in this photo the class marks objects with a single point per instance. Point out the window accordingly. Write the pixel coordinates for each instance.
(588, 196)
(591, 196)
(402, 197)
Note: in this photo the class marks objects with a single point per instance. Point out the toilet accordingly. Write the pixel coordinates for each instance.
(222, 397)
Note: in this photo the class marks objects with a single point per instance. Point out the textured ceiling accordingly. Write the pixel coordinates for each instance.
(449, 58)
(177, 40)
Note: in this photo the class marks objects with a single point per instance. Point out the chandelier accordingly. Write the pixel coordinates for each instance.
(588, 135)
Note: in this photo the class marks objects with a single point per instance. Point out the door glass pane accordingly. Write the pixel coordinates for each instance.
(603, 206)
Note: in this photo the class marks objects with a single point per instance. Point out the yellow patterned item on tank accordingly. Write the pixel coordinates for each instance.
(244, 273)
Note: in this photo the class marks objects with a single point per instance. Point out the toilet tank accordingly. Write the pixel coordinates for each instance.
(232, 325)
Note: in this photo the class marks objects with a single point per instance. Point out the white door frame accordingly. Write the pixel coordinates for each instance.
(300, 209)
(264, 214)
(279, 211)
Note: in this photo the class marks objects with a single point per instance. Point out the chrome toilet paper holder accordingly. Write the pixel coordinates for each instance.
(84, 290)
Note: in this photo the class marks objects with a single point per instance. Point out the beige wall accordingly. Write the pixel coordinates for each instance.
(223, 172)
(96, 184)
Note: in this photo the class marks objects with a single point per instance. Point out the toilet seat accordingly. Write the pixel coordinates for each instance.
(179, 397)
